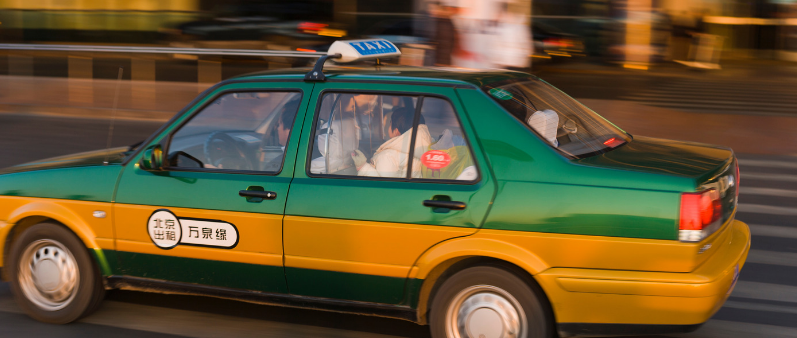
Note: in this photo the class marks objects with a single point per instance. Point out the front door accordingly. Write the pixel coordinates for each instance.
(213, 215)
(388, 173)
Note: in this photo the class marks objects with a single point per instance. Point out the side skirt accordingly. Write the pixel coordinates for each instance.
(303, 302)
(612, 330)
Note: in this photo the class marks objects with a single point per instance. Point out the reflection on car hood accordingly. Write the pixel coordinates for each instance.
(91, 158)
(660, 156)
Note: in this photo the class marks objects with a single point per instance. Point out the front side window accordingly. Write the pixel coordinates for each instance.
(373, 135)
(237, 131)
(562, 122)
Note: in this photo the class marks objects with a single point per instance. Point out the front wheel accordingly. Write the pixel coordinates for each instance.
(488, 302)
(52, 275)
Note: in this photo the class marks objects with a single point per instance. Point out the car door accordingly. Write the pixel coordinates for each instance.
(213, 214)
(355, 221)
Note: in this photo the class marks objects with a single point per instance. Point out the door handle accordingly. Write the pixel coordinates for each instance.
(453, 205)
(268, 195)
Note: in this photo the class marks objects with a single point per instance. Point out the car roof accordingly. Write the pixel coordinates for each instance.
(431, 75)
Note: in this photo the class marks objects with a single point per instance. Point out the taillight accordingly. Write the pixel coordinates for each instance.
(311, 27)
(613, 142)
(562, 43)
(699, 210)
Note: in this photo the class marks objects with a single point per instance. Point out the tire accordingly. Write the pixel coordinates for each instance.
(52, 276)
(489, 302)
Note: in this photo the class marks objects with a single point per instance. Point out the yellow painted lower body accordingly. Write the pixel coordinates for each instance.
(636, 297)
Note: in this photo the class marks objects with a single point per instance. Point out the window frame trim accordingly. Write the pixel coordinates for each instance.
(420, 95)
(168, 138)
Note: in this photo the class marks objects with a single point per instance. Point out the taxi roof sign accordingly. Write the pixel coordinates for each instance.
(355, 50)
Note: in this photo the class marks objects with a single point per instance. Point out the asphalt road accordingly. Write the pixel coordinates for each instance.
(764, 303)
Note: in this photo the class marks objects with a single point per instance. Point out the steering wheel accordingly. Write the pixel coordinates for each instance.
(223, 152)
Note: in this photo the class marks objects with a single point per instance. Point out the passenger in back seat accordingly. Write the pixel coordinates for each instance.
(390, 160)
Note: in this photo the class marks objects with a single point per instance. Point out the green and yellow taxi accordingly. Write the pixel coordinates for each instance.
(481, 203)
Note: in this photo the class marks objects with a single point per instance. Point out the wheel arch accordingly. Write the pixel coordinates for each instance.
(37, 212)
(448, 258)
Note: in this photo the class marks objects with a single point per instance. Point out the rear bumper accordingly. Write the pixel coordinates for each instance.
(610, 302)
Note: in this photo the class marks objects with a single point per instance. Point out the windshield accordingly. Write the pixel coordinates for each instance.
(561, 121)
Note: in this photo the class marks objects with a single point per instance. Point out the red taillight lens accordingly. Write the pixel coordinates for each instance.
(613, 142)
(698, 211)
(563, 43)
(710, 207)
(311, 27)
(690, 212)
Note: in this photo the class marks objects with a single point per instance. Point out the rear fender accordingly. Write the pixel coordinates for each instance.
(434, 262)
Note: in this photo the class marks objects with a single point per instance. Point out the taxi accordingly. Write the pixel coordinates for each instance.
(481, 203)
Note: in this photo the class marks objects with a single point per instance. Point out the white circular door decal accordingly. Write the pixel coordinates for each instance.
(164, 229)
(167, 231)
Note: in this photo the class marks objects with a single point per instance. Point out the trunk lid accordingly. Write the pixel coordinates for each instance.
(698, 161)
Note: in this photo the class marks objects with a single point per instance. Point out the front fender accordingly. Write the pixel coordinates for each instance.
(95, 233)
(60, 214)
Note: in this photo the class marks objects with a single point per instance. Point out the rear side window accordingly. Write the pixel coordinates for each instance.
(388, 136)
(446, 154)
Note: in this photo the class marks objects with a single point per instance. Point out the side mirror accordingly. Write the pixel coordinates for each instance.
(152, 159)
(184, 160)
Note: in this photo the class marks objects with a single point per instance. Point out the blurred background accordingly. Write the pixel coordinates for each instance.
(714, 71)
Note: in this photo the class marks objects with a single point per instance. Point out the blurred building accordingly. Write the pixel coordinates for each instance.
(104, 21)
(630, 32)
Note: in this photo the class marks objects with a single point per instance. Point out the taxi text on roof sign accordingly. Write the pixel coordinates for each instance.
(354, 50)
(373, 47)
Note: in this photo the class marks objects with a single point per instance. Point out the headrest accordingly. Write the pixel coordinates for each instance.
(545, 123)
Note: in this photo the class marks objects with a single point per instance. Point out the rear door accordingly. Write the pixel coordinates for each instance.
(354, 233)
(213, 215)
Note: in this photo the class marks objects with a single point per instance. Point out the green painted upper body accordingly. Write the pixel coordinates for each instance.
(630, 190)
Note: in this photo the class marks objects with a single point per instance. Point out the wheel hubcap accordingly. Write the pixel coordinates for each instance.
(485, 311)
(48, 274)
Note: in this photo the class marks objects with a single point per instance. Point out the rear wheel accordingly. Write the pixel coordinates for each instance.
(52, 275)
(488, 302)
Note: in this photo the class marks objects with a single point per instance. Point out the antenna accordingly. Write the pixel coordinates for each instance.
(113, 117)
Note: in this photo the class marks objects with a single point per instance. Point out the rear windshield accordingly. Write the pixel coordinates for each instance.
(565, 124)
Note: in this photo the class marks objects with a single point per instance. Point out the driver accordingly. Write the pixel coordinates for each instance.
(390, 160)
(279, 135)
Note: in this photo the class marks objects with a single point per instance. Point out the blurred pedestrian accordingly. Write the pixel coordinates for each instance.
(511, 44)
(426, 28)
(446, 37)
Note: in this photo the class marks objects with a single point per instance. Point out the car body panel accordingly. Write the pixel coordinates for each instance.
(585, 210)
(351, 255)
(688, 159)
(320, 238)
(576, 199)
(79, 216)
(209, 196)
(113, 156)
(631, 297)
(89, 183)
